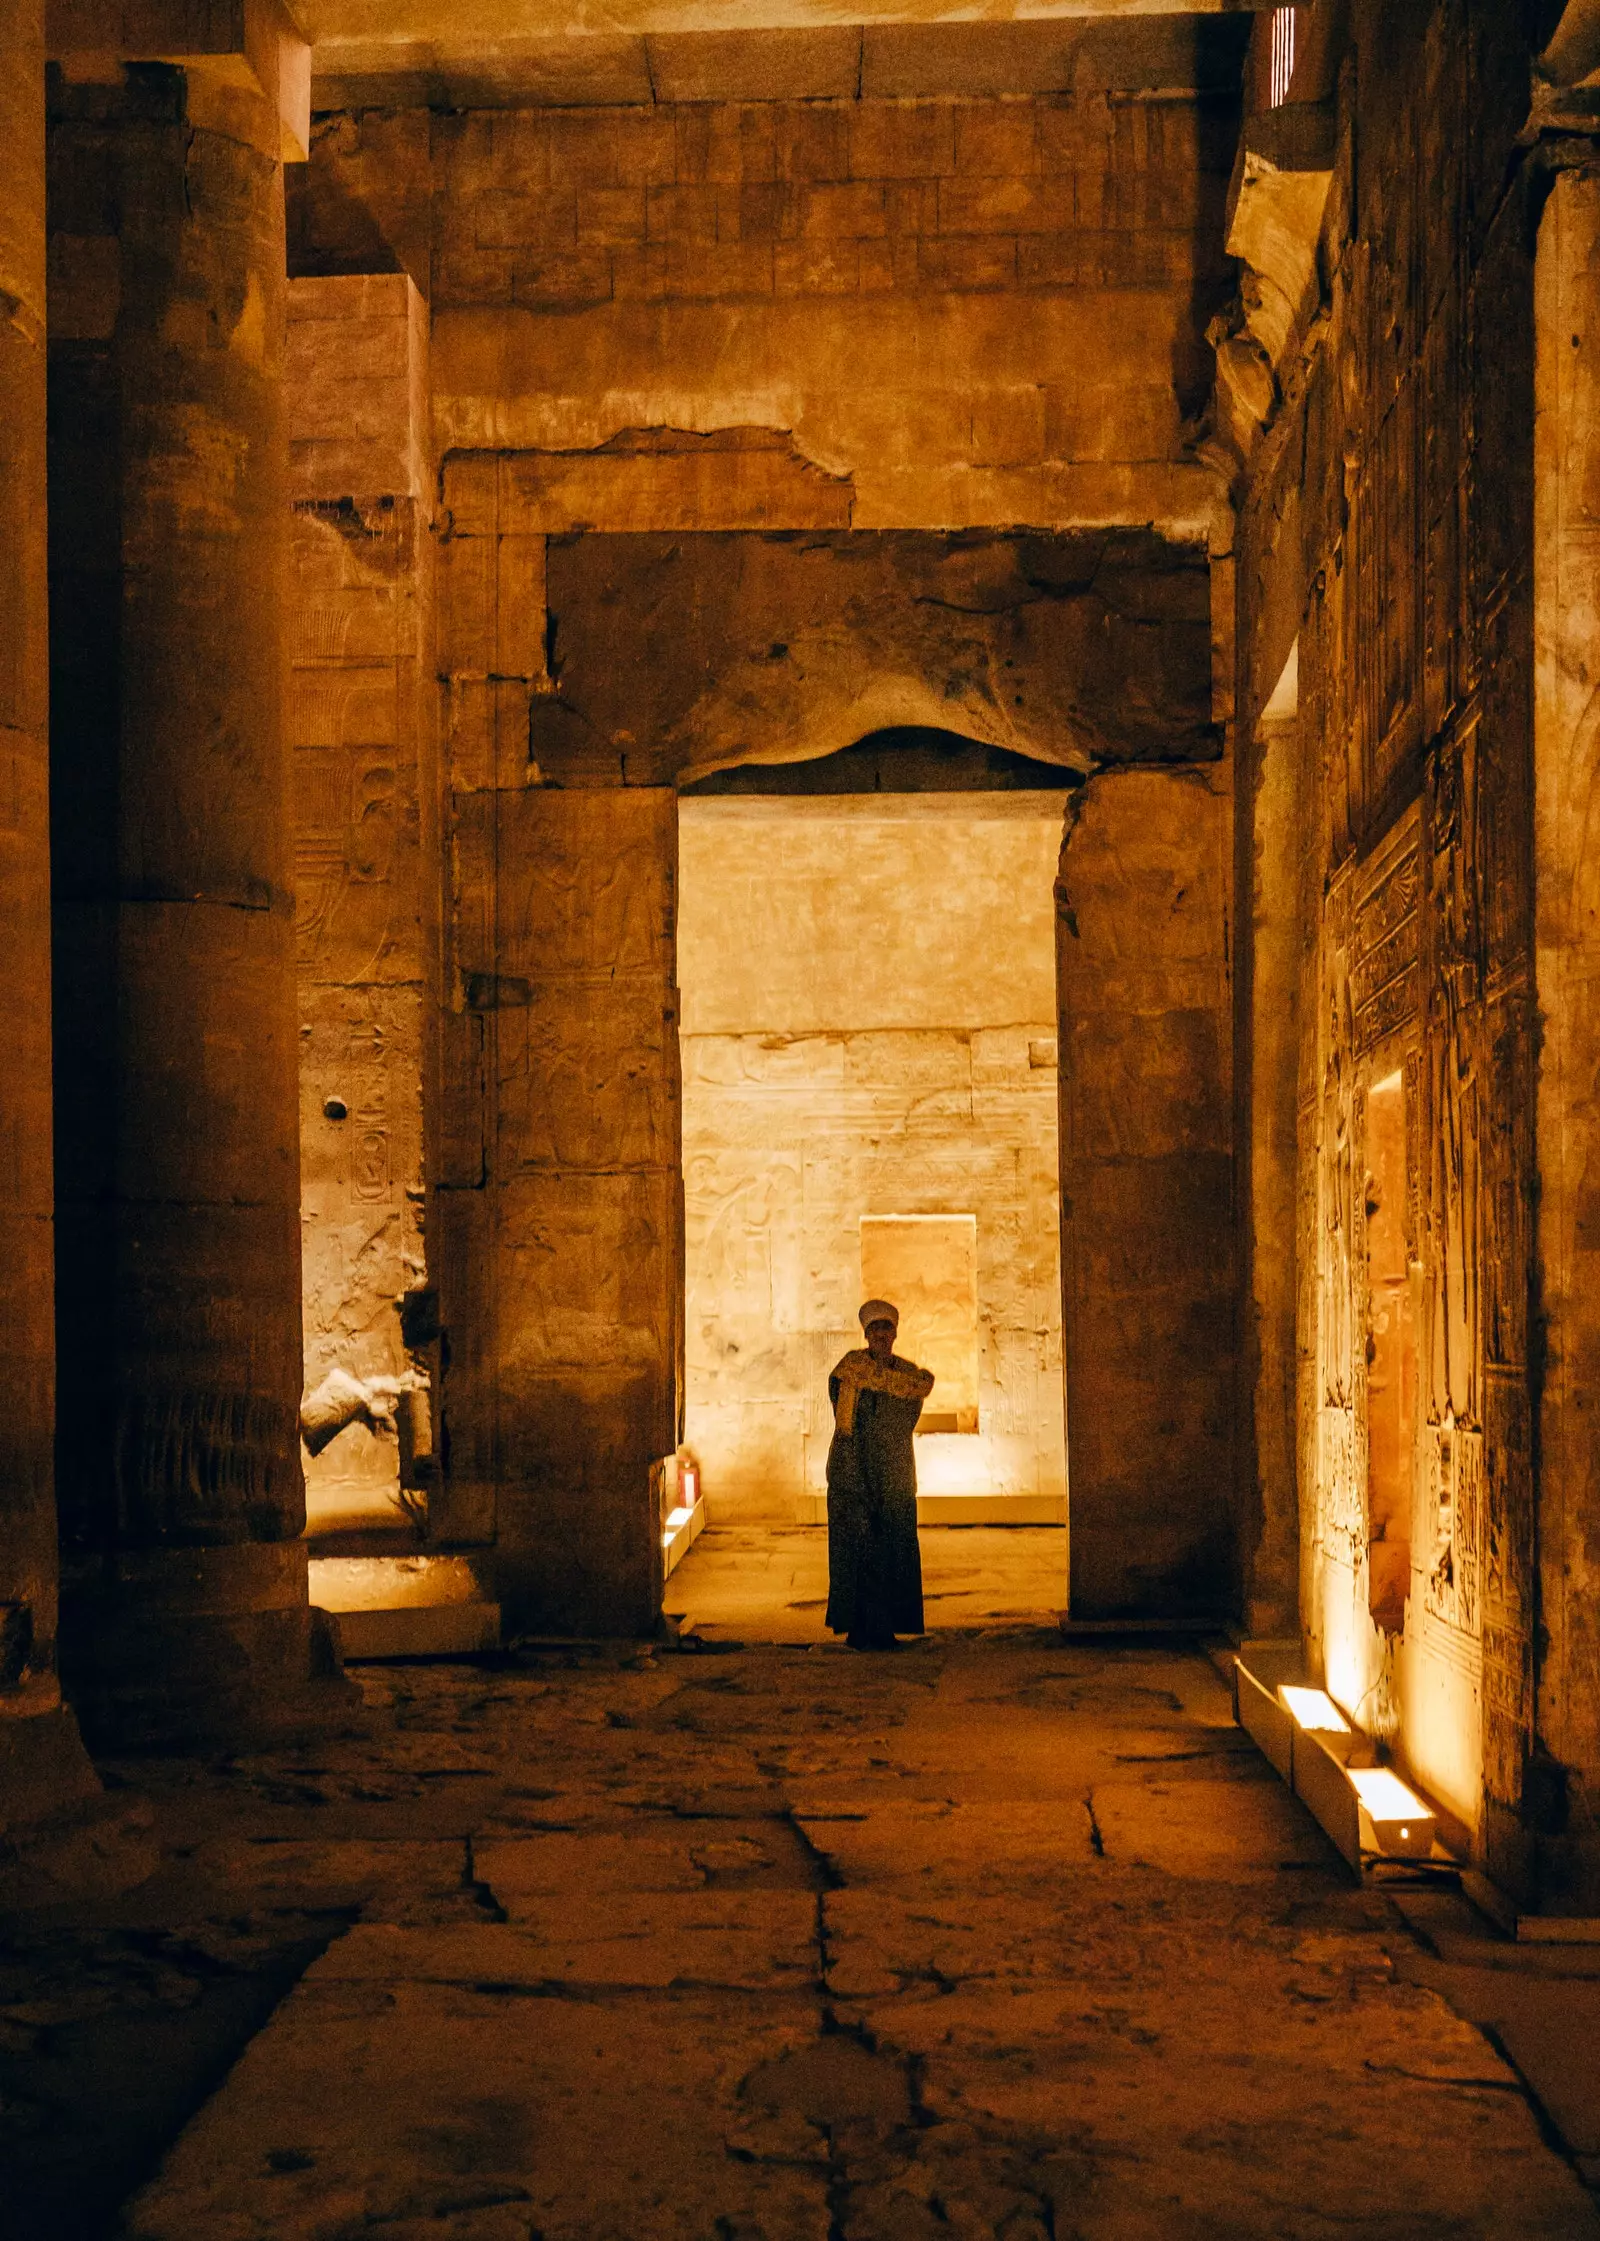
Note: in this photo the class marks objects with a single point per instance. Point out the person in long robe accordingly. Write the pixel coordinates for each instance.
(874, 1561)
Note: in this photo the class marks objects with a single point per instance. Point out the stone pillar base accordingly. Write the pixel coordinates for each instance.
(182, 1649)
(61, 1836)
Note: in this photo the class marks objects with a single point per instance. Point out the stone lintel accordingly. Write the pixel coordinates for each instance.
(248, 65)
(402, 26)
(879, 393)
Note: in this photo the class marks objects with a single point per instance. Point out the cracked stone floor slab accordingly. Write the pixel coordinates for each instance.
(1003, 1936)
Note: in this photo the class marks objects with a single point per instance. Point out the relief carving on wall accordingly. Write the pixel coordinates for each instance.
(1336, 1331)
(1386, 596)
(1507, 1586)
(1384, 965)
(1507, 1161)
(1414, 652)
(1455, 1020)
(1453, 1567)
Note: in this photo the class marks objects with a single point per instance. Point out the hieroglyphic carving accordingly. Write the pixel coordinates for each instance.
(1384, 961)
(369, 1176)
(1507, 1585)
(1507, 1165)
(1415, 1164)
(1455, 1024)
(1412, 503)
(1453, 1565)
(213, 1468)
(319, 851)
(1387, 596)
(585, 1074)
(1337, 1194)
(1342, 1508)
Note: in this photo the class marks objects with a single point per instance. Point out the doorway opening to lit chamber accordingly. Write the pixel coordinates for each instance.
(867, 968)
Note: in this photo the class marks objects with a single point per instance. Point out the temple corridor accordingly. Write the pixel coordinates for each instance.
(1003, 1936)
(799, 855)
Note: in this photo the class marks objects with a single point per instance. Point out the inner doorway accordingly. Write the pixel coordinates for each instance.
(868, 1037)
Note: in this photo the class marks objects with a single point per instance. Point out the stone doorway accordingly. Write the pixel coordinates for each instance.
(869, 1036)
(663, 669)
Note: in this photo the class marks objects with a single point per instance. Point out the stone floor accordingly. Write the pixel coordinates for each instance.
(771, 1584)
(1003, 1936)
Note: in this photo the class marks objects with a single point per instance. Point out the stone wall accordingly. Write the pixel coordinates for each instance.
(841, 273)
(367, 848)
(560, 210)
(869, 1028)
(1387, 520)
(586, 676)
(682, 355)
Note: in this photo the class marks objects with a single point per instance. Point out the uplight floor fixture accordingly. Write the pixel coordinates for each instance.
(1315, 1708)
(1401, 1823)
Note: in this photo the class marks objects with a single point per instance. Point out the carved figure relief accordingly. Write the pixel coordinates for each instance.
(373, 819)
(1453, 1026)
(1384, 967)
(1453, 1566)
(369, 1180)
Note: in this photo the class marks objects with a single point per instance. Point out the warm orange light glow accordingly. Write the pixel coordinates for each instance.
(1400, 1820)
(1282, 56)
(1315, 1708)
(388, 1583)
(1385, 1796)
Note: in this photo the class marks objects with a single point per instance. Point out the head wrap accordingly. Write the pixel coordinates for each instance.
(879, 1311)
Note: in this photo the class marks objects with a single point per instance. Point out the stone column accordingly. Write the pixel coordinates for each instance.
(1561, 1783)
(1147, 1188)
(179, 1339)
(42, 1764)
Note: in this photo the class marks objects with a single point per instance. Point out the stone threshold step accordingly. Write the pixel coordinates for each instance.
(974, 1509)
(418, 1630)
(404, 1606)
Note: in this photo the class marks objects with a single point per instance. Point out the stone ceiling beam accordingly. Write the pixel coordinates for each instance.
(492, 22)
(668, 59)
(248, 63)
(618, 51)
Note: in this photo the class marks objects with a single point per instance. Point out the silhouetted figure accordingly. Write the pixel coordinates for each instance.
(874, 1562)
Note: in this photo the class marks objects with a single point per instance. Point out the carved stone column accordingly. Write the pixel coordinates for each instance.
(42, 1764)
(177, 1141)
(1542, 1575)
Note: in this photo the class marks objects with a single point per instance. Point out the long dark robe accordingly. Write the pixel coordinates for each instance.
(874, 1561)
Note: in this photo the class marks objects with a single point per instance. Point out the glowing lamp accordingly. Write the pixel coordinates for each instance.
(1401, 1823)
(689, 1485)
(1314, 1708)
